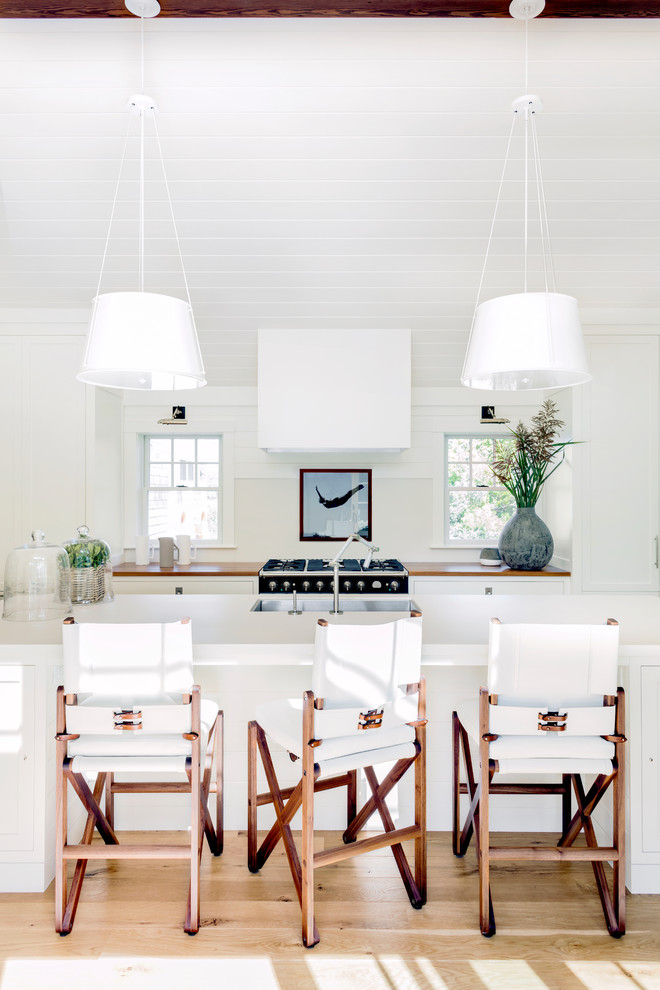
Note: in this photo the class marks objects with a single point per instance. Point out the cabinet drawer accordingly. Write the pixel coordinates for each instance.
(190, 585)
(483, 586)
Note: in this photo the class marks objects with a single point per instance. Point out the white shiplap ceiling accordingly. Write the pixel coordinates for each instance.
(329, 173)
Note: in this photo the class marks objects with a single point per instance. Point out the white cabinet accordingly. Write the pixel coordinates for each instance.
(615, 520)
(643, 780)
(27, 779)
(488, 586)
(183, 585)
(43, 451)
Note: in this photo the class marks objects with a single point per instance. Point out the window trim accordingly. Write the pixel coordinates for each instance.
(146, 488)
(439, 489)
(142, 424)
(463, 435)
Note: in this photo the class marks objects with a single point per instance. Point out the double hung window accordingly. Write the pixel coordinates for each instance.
(183, 486)
(476, 505)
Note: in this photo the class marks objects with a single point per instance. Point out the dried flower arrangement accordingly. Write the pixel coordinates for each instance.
(524, 463)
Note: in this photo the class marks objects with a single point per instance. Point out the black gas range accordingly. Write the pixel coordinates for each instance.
(315, 576)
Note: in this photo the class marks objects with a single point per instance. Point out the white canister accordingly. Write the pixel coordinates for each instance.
(186, 551)
(143, 551)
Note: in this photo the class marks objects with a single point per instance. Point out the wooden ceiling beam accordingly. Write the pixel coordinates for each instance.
(331, 8)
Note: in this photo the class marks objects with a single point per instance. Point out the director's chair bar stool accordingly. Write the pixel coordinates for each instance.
(366, 707)
(552, 706)
(128, 704)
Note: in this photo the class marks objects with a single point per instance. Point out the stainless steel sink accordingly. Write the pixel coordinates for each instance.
(393, 603)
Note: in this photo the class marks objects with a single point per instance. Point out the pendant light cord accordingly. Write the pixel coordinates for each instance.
(492, 227)
(169, 202)
(112, 212)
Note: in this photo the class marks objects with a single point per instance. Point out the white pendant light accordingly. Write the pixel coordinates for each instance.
(142, 340)
(530, 340)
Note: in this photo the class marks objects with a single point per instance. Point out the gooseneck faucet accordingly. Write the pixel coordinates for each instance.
(372, 549)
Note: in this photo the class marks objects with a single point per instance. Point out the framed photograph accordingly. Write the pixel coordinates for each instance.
(335, 503)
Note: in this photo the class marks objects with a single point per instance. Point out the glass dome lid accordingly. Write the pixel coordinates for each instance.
(37, 583)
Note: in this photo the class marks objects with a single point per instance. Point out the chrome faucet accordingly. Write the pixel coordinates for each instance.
(371, 548)
(294, 610)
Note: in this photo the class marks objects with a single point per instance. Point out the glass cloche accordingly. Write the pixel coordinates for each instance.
(91, 569)
(37, 582)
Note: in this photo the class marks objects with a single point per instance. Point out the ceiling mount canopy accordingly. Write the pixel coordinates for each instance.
(529, 340)
(137, 339)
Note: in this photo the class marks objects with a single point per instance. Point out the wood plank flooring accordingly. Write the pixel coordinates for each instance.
(128, 932)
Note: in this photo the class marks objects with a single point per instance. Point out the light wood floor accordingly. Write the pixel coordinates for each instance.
(128, 932)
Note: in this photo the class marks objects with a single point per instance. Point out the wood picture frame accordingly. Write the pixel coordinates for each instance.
(335, 502)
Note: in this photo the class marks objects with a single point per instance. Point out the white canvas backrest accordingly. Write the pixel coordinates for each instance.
(366, 664)
(136, 660)
(552, 665)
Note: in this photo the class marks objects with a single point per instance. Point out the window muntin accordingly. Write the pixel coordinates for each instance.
(183, 488)
(476, 505)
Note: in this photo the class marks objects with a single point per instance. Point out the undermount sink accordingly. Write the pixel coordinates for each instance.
(346, 604)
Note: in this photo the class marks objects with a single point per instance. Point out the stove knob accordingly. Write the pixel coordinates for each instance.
(394, 585)
(319, 585)
(360, 586)
(376, 584)
(306, 586)
(272, 585)
(286, 586)
(347, 585)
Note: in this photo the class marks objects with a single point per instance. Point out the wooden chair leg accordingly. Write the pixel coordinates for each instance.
(486, 919)
(220, 783)
(252, 798)
(456, 785)
(309, 933)
(566, 809)
(351, 801)
(420, 799)
(196, 824)
(619, 820)
(60, 816)
(110, 799)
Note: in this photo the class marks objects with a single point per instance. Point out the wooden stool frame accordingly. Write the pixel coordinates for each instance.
(476, 821)
(286, 802)
(201, 821)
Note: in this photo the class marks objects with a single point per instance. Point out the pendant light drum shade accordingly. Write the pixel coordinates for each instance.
(142, 340)
(531, 340)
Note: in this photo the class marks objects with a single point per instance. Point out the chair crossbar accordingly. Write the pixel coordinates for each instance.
(380, 841)
(324, 784)
(579, 854)
(116, 851)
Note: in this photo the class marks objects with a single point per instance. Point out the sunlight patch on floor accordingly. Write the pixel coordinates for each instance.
(617, 976)
(338, 972)
(427, 968)
(507, 974)
(137, 974)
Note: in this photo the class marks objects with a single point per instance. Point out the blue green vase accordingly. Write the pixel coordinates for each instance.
(526, 543)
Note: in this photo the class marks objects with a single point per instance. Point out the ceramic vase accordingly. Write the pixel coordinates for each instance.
(526, 543)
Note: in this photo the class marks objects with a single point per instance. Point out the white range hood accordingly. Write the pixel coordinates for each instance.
(333, 390)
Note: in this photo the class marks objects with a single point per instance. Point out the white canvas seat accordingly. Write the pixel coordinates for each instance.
(551, 707)
(366, 708)
(128, 705)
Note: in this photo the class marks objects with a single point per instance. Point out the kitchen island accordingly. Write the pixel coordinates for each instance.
(243, 657)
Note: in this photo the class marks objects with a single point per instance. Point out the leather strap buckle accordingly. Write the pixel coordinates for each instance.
(373, 719)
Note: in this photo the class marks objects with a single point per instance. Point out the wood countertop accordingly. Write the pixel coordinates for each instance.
(197, 568)
(436, 568)
(470, 568)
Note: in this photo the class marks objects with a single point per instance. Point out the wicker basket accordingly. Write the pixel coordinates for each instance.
(87, 585)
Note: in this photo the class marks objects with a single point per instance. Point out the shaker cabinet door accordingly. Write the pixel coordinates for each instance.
(616, 467)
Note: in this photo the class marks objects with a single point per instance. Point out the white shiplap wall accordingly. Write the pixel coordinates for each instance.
(328, 172)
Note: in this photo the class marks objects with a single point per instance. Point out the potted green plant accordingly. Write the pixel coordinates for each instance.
(522, 465)
(91, 569)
